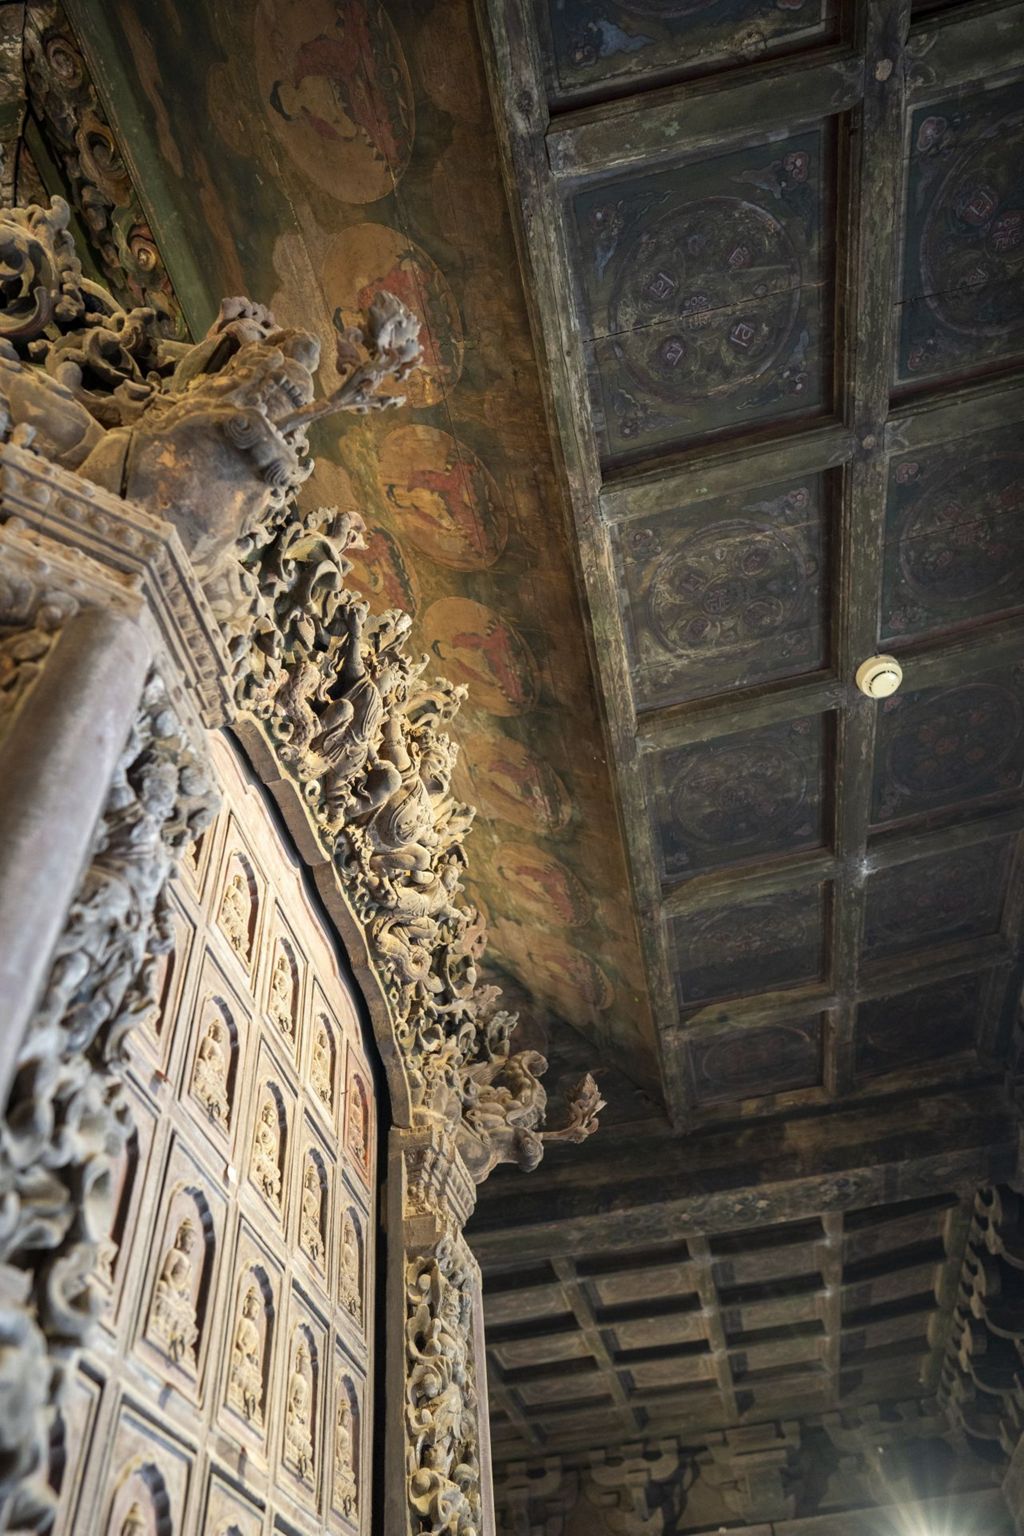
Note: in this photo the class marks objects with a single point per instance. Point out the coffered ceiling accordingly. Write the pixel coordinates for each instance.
(775, 257)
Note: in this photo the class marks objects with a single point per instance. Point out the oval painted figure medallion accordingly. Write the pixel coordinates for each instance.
(481, 649)
(447, 502)
(705, 299)
(337, 94)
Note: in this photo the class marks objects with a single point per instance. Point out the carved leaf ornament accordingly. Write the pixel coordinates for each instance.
(211, 436)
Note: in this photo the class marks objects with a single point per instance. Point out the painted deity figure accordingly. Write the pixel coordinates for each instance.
(350, 1289)
(311, 1236)
(266, 1152)
(282, 994)
(210, 1078)
(298, 1409)
(235, 912)
(345, 1488)
(320, 1064)
(245, 1384)
(172, 1316)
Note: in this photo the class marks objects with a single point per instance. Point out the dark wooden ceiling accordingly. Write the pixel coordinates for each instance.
(776, 258)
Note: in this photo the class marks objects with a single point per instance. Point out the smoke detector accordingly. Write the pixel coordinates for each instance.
(879, 676)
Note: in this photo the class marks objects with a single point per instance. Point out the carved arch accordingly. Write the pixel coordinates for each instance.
(141, 1486)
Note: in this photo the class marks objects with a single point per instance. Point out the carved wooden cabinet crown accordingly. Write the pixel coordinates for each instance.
(210, 1005)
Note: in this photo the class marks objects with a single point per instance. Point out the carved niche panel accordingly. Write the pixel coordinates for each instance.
(239, 1264)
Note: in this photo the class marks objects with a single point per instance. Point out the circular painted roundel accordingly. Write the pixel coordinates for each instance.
(947, 746)
(972, 241)
(736, 797)
(733, 584)
(706, 298)
(961, 537)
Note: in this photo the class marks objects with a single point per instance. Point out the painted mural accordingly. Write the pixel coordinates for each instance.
(705, 297)
(954, 549)
(962, 305)
(347, 147)
(620, 44)
(720, 594)
(739, 797)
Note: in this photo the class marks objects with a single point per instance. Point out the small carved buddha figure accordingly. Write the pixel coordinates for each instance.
(297, 1435)
(349, 1286)
(235, 912)
(245, 1384)
(210, 1078)
(345, 1490)
(357, 1127)
(172, 1316)
(320, 1064)
(266, 1151)
(134, 1523)
(310, 1234)
(282, 994)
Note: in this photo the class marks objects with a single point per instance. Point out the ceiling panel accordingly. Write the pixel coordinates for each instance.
(705, 293)
(600, 45)
(738, 797)
(726, 593)
(942, 748)
(962, 300)
(954, 535)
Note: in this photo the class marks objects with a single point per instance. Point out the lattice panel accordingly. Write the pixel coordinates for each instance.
(231, 1387)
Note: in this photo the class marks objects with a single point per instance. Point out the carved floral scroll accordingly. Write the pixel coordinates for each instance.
(210, 438)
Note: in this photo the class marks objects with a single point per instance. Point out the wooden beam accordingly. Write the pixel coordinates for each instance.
(965, 48)
(635, 493)
(679, 120)
(952, 414)
(859, 1154)
(769, 704)
(516, 80)
(722, 886)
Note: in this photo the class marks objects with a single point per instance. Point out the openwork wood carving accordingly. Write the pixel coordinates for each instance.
(441, 1405)
(67, 1118)
(211, 439)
